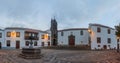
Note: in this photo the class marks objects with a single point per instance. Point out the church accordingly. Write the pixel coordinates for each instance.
(96, 36)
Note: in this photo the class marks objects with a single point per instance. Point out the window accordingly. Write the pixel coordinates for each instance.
(98, 45)
(81, 32)
(27, 43)
(117, 40)
(36, 35)
(17, 34)
(26, 34)
(8, 43)
(98, 29)
(48, 37)
(108, 31)
(0, 35)
(8, 34)
(98, 40)
(62, 33)
(42, 37)
(109, 40)
(35, 43)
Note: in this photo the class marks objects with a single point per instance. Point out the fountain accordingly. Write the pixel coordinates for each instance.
(31, 52)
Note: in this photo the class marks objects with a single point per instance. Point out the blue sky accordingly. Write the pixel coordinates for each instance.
(68, 13)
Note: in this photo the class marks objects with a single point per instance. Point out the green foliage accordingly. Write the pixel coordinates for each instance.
(117, 30)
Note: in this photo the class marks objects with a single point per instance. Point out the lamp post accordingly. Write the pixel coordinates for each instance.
(118, 43)
(31, 42)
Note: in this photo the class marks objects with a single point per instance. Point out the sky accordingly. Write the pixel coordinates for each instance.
(37, 14)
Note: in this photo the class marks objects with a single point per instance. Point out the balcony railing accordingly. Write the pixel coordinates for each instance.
(33, 38)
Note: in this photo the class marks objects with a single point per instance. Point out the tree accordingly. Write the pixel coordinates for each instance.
(118, 35)
(117, 30)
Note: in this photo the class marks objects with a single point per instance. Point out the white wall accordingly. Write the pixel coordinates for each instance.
(13, 40)
(104, 36)
(63, 40)
(21, 39)
(43, 40)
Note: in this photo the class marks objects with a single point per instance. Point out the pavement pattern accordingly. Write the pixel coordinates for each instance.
(62, 56)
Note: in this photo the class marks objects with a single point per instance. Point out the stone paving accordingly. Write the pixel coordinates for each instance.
(62, 56)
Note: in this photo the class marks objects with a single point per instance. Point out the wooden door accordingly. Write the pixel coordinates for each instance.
(42, 43)
(71, 40)
(48, 43)
(17, 44)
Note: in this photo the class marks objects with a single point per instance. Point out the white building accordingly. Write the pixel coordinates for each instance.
(102, 37)
(44, 38)
(73, 36)
(14, 37)
(97, 36)
(2, 41)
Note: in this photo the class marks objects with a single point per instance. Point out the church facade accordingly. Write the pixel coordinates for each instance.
(96, 36)
(73, 36)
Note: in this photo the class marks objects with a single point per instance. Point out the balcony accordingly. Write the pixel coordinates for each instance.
(29, 38)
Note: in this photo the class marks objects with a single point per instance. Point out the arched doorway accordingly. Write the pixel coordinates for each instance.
(71, 40)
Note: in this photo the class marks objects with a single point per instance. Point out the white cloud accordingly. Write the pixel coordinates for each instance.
(69, 13)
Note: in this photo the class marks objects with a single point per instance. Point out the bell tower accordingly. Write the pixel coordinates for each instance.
(54, 32)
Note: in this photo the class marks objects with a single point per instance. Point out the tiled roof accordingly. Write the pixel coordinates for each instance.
(74, 29)
(100, 25)
(26, 29)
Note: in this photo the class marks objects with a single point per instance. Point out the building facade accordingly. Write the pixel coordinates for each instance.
(73, 36)
(18, 38)
(96, 36)
(102, 37)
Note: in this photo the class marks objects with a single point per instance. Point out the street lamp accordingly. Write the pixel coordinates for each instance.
(13, 34)
(118, 43)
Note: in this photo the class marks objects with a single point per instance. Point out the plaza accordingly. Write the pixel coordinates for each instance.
(62, 56)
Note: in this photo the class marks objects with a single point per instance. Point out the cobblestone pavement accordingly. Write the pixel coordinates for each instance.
(62, 56)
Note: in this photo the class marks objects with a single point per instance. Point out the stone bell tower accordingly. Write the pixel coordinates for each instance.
(54, 32)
